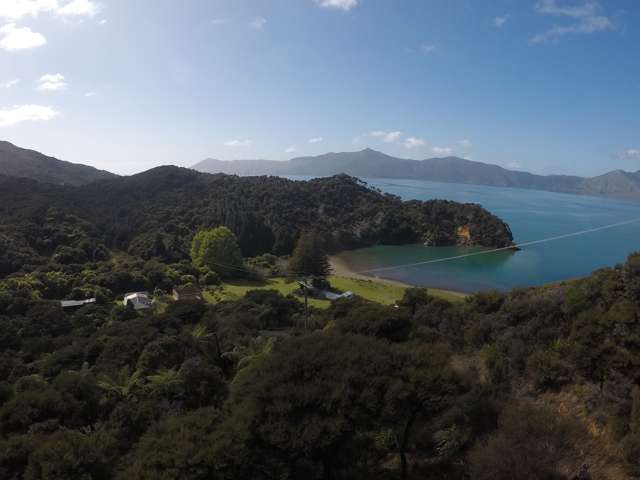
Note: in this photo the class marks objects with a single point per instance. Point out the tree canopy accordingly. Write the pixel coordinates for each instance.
(309, 258)
(218, 250)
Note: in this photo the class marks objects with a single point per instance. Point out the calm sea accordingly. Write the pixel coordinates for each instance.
(532, 215)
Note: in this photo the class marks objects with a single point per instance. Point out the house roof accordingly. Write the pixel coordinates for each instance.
(187, 290)
(76, 303)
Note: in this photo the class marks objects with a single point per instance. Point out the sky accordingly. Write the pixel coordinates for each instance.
(548, 86)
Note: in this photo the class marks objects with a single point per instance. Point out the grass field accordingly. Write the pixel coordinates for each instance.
(377, 291)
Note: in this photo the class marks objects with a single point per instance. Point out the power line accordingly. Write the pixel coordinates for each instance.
(501, 249)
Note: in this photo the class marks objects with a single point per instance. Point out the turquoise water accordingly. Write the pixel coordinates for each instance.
(532, 215)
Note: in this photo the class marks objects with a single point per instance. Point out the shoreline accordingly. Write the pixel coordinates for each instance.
(340, 269)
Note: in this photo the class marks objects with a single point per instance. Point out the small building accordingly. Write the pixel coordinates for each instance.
(76, 303)
(316, 292)
(335, 296)
(138, 300)
(188, 293)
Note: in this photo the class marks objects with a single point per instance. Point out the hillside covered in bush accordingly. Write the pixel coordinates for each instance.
(155, 214)
(535, 384)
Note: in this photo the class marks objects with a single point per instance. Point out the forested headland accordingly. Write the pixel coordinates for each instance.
(155, 214)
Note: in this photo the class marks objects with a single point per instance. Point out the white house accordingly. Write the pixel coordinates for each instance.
(138, 300)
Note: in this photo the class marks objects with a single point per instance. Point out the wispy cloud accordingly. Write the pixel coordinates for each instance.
(26, 113)
(104, 21)
(52, 83)
(466, 143)
(500, 21)
(90, 94)
(9, 84)
(238, 143)
(79, 8)
(631, 154)
(387, 137)
(258, 23)
(316, 140)
(413, 142)
(290, 150)
(442, 150)
(514, 165)
(428, 48)
(585, 19)
(339, 4)
(394, 137)
(219, 21)
(13, 38)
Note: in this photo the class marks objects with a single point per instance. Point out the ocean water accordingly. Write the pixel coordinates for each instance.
(532, 215)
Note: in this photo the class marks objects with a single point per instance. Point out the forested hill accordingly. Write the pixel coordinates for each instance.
(155, 214)
(20, 162)
(369, 163)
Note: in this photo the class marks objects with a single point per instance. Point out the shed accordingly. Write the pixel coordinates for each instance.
(189, 293)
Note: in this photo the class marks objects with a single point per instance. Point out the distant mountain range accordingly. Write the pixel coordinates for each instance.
(20, 162)
(373, 164)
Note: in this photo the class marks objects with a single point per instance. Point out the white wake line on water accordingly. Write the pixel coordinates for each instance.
(501, 249)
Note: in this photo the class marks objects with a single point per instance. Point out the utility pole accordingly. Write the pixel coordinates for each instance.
(303, 286)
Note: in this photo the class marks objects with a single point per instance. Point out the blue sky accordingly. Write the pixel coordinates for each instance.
(543, 85)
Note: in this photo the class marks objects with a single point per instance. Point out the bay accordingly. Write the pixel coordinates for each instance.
(532, 215)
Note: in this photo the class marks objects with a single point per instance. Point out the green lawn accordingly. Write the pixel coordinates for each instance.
(377, 291)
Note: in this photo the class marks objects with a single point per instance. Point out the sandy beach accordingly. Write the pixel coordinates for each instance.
(341, 269)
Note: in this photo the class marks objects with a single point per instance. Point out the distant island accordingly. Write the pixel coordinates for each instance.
(370, 163)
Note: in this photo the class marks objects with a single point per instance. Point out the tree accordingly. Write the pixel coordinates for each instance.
(532, 443)
(309, 257)
(314, 398)
(174, 448)
(218, 250)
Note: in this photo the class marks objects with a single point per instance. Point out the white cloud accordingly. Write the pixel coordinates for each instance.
(290, 150)
(16, 9)
(258, 23)
(219, 21)
(26, 113)
(585, 18)
(90, 94)
(387, 137)
(79, 8)
(52, 77)
(499, 22)
(104, 21)
(514, 165)
(413, 142)
(428, 48)
(340, 4)
(465, 143)
(316, 140)
(14, 38)
(392, 137)
(441, 150)
(238, 143)
(52, 83)
(9, 84)
(631, 154)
